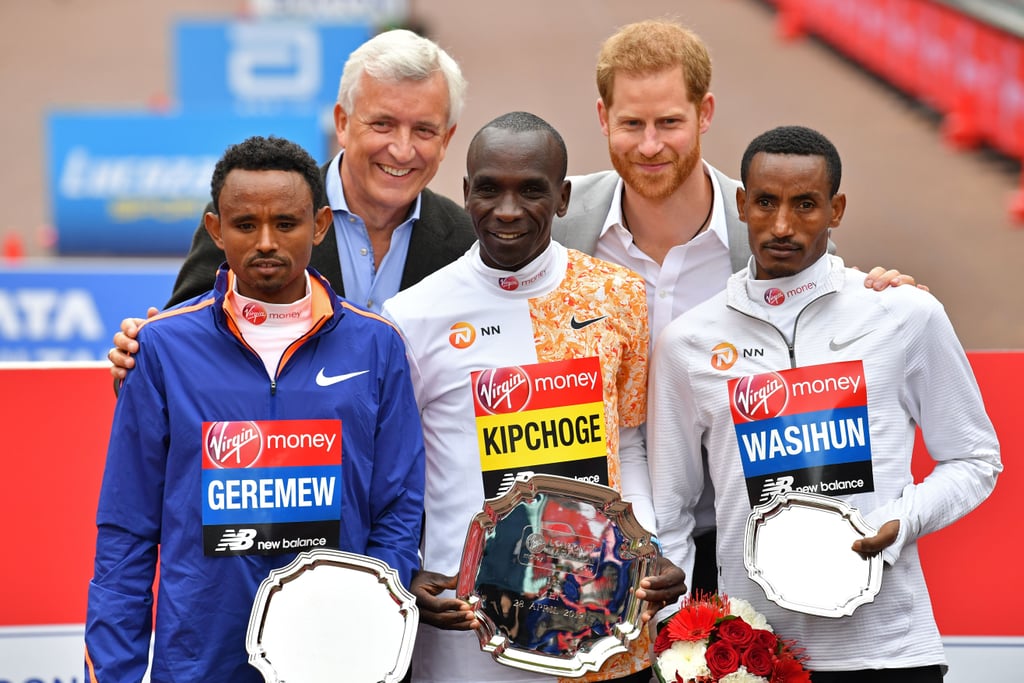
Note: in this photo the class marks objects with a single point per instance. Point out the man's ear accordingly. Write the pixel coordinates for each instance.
(322, 223)
(212, 223)
(838, 209)
(741, 199)
(706, 112)
(465, 191)
(563, 205)
(602, 116)
(340, 125)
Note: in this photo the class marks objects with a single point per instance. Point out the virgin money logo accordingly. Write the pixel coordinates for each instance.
(502, 390)
(254, 313)
(232, 445)
(774, 297)
(760, 397)
(509, 283)
(462, 335)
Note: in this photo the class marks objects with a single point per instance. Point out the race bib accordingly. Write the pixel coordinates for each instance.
(544, 418)
(804, 429)
(271, 487)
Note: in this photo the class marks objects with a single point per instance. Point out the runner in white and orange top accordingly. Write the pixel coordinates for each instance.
(526, 357)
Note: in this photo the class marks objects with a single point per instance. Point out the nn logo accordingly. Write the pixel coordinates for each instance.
(723, 356)
(462, 335)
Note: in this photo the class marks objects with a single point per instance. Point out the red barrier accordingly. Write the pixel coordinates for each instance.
(55, 439)
(56, 426)
(970, 72)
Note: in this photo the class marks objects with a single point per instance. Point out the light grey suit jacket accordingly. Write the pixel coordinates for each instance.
(592, 197)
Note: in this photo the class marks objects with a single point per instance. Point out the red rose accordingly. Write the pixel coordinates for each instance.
(758, 661)
(765, 639)
(735, 631)
(722, 659)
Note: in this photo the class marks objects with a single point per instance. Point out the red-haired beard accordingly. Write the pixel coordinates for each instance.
(660, 185)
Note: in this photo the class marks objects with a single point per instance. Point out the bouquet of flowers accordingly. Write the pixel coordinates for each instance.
(717, 639)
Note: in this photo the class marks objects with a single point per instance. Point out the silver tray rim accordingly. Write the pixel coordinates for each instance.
(608, 501)
(396, 597)
(761, 514)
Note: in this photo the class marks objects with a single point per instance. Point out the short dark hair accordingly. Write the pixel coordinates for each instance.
(798, 140)
(268, 154)
(523, 122)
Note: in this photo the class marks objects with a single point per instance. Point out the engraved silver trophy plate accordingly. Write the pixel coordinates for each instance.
(797, 548)
(551, 567)
(332, 615)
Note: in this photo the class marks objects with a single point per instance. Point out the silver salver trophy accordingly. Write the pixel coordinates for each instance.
(332, 616)
(798, 549)
(551, 567)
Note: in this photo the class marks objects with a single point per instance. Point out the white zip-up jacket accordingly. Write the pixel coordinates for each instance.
(795, 415)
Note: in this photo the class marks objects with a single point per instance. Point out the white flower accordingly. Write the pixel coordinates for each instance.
(741, 675)
(743, 609)
(685, 658)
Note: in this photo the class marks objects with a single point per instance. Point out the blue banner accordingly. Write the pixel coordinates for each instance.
(70, 313)
(262, 67)
(137, 184)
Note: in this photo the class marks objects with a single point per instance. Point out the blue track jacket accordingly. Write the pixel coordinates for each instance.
(192, 428)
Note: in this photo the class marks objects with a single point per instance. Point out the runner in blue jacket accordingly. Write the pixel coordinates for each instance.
(264, 418)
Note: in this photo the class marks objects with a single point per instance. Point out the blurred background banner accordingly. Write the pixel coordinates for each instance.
(136, 183)
(69, 313)
(262, 67)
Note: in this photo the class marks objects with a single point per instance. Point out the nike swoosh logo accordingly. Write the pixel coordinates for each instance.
(326, 381)
(839, 346)
(579, 325)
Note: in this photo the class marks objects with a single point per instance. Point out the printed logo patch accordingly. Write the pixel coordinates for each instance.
(546, 417)
(774, 297)
(509, 283)
(270, 486)
(502, 390)
(254, 313)
(724, 356)
(803, 429)
(580, 324)
(462, 335)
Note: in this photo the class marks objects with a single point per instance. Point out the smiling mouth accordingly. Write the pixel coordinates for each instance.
(508, 236)
(395, 172)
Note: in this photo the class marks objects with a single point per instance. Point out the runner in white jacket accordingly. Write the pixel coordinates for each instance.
(798, 377)
(509, 346)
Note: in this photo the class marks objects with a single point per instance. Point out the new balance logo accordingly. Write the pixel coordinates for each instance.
(775, 487)
(236, 540)
(510, 478)
(580, 324)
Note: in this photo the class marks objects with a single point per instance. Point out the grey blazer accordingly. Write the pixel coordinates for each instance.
(592, 197)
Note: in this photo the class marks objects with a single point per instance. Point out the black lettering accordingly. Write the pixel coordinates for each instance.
(550, 434)
(490, 445)
(515, 434)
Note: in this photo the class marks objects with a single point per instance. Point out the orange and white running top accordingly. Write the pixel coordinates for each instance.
(539, 370)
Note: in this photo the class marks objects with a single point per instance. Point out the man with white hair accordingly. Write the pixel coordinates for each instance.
(399, 102)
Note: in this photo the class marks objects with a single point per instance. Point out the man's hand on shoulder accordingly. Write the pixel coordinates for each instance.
(879, 278)
(446, 613)
(120, 356)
